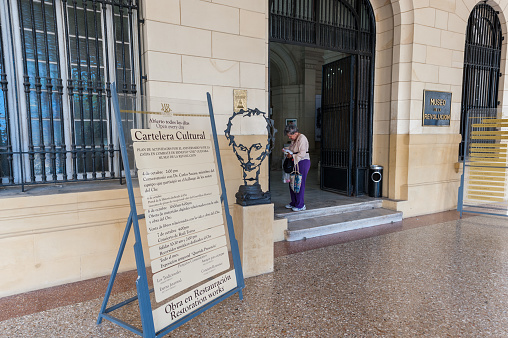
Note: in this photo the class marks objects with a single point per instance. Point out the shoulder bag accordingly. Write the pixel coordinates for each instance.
(289, 165)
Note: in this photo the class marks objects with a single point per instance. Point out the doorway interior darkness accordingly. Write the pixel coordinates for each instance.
(348, 27)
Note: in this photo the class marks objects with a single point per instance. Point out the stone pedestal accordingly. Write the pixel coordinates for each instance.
(254, 233)
(252, 195)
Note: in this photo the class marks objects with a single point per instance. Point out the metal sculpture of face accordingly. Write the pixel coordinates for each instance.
(250, 156)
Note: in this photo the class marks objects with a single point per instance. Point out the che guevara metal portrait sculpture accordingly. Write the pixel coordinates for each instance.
(250, 157)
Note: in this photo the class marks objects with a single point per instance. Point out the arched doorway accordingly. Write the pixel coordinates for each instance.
(346, 28)
(482, 60)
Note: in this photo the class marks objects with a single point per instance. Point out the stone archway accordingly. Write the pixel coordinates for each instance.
(346, 27)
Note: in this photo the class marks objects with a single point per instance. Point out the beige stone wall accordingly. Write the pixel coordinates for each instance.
(426, 40)
(385, 64)
(433, 176)
(252, 224)
(54, 239)
(193, 47)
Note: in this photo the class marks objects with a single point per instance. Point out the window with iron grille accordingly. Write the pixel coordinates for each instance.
(58, 60)
(482, 66)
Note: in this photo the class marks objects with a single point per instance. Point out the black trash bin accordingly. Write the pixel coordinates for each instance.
(375, 181)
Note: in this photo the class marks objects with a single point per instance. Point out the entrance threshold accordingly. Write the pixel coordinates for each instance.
(327, 212)
(315, 198)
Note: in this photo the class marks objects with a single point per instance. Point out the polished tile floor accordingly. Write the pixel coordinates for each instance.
(432, 276)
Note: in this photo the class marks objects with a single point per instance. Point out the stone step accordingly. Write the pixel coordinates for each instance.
(331, 224)
(292, 216)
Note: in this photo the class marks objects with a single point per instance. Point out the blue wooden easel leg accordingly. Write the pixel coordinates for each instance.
(145, 307)
(115, 267)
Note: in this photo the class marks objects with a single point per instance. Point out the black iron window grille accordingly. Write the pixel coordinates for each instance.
(56, 124)
(5, 137)
(482, 61)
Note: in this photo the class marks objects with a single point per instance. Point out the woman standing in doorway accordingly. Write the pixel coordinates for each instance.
(300, 153)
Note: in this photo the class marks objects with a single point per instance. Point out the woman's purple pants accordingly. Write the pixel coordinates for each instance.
(297, 199)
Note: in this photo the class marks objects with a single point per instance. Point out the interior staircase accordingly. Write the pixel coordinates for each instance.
(336, 218)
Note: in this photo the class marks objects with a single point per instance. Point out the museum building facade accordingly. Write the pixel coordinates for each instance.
(353, 75)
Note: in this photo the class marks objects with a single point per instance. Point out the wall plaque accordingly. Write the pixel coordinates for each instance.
(239, 100)
(436, 108)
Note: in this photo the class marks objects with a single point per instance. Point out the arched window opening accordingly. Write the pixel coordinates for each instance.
(482, 59)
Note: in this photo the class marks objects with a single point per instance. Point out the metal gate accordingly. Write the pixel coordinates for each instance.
(482, 57)
(337, 107)
(483, 185)
(346, 143)
(347, 26)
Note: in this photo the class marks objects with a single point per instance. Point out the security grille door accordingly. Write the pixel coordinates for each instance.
(337, 130)
(347, 125)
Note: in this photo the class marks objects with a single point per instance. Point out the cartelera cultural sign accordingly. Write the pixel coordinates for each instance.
(183, 213)
(436, 108)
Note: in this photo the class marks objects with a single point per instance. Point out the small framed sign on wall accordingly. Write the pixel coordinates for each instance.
(436, 108)
(291, 121)
(239, 100)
